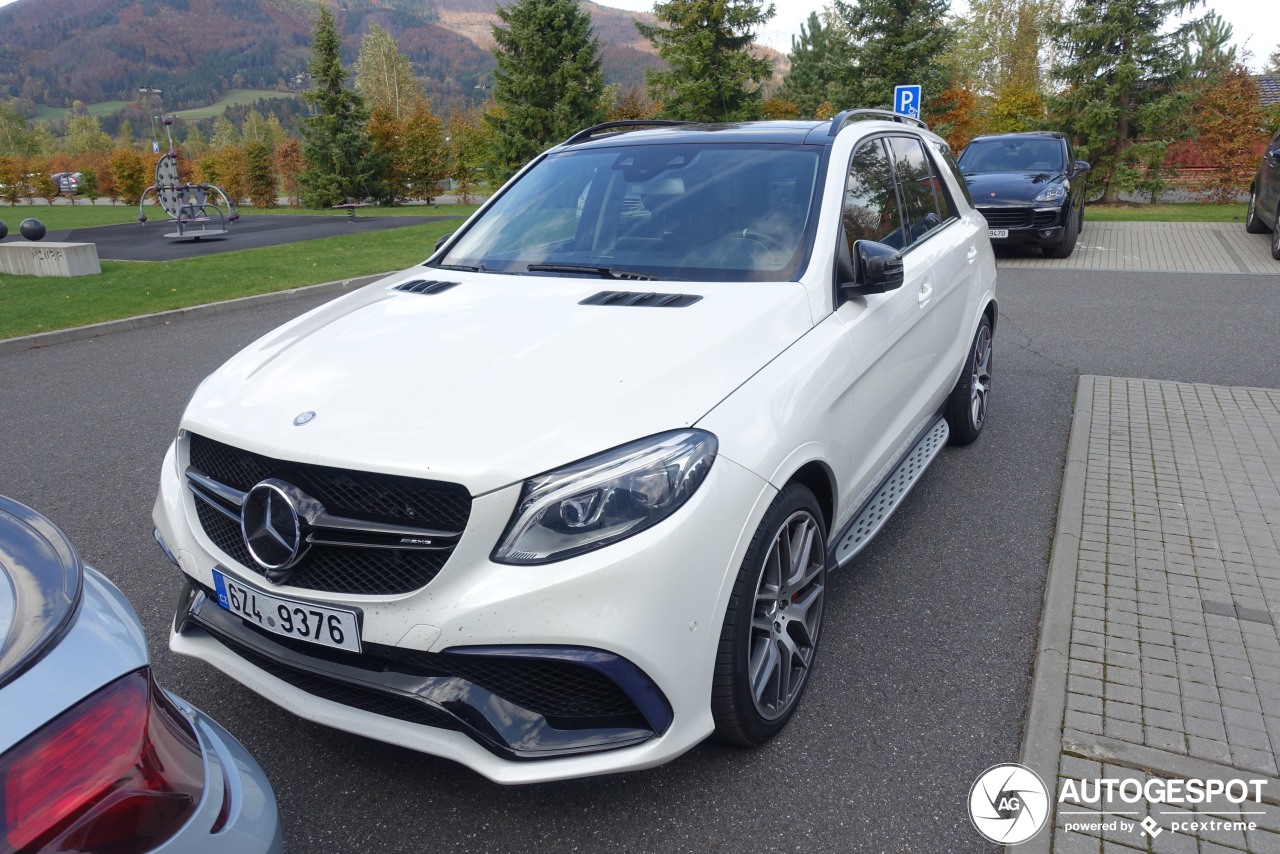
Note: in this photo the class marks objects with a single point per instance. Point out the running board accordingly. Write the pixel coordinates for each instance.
(877, 511)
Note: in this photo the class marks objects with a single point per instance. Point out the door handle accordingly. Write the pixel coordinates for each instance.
(926, 293)
(972, 254)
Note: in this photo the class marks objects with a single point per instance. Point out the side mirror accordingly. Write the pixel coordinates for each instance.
(872, 268)
(1082, 166)
(443, 240)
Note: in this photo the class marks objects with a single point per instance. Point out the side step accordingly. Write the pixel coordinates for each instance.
(877, 511)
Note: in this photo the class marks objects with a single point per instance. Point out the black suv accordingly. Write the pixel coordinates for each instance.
(1264, 197)
(1030, 188)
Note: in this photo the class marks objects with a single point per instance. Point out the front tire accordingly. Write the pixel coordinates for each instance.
(1252, 223)
(1068, 244)
(966, 410)
(771, 628)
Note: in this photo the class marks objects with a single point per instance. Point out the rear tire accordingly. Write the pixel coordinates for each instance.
(1252, 223)
(771, 628)
(966, 410)
(1275, 237)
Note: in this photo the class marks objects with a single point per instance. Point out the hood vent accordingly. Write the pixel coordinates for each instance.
(646, 300)
(425, 286)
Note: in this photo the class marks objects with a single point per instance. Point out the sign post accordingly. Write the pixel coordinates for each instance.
(906, 100)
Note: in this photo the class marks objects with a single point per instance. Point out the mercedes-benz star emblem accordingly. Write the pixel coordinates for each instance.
(304, 418)
(270, 525)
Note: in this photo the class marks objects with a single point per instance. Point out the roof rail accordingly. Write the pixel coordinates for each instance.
(598, 130)
(846, 116)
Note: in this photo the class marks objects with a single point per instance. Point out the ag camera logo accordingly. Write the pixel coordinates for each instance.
(1008, 803)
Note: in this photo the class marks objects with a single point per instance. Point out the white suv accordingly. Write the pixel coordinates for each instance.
(562, 500)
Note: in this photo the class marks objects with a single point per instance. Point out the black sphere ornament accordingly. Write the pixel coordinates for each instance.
(32, 229)
(4, 229)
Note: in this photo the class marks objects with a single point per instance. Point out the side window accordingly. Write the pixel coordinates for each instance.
(920, 186)
(949, 160)
(871, 209)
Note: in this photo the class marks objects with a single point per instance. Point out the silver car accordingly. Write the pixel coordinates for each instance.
(94, 756)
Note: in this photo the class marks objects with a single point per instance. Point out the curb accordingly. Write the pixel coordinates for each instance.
(95, 330)
(1042, 732)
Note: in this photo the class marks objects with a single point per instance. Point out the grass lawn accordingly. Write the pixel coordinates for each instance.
(84, 215)
(1188, 212)
(233, 98)
(30, 304)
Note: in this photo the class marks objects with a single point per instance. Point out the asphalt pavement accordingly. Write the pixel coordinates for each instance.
(927, 657)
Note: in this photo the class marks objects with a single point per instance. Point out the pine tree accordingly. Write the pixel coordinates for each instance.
(1123, 100)
(341, 165)
(711, 75)
(815, 56)
(548, 82)
(890, 43)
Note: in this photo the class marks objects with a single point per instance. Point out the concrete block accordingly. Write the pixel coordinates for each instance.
(30, 258)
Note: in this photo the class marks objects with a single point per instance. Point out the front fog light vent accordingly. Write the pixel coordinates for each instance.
(425, 286)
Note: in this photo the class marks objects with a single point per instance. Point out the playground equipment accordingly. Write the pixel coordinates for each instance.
(188, 205)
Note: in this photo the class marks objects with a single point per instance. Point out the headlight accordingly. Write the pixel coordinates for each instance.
(606, 498)
(1051, 193)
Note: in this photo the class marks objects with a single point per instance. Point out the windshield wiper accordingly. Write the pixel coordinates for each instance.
(463, 268)
(591, 270)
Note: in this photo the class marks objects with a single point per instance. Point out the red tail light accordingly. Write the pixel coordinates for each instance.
(120, 772)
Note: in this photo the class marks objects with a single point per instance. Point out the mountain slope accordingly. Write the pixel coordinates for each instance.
(194, 50)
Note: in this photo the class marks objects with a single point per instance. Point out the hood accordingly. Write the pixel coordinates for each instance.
(996, 188)
(495, 379)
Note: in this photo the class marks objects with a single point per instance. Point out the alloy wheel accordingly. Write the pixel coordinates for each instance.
(981, 382)
(787, 615)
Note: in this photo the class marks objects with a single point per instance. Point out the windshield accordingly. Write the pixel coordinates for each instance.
(707, 212)
(1013, 155)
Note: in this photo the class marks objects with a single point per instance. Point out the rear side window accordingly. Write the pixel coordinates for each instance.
(870, 210)
(925, 212)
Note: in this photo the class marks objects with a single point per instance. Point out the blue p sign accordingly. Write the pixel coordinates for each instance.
(906, 100)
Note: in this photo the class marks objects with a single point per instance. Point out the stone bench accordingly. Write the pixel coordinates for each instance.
(28, 258)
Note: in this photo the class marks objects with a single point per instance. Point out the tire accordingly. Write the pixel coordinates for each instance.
(1068, 244)
(1275, 237)
(771, 628)
(1252, 223)
(966, 410)
(1080, 219)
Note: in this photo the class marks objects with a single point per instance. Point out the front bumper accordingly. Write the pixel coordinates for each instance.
(1043, 225)
(640, 619)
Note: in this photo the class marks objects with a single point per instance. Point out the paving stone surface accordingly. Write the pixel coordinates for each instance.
(1172, 650)
(1218, 247)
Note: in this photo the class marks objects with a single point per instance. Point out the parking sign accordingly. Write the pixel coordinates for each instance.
(906, 100)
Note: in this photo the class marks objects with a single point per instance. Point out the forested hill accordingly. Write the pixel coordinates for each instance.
(56, 51)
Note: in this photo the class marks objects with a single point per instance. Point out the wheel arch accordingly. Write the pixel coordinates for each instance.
(818, 477)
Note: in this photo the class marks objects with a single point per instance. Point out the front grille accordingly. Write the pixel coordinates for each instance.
(360, 495)
(1019, 217)
(1006, 217)
(357, 495)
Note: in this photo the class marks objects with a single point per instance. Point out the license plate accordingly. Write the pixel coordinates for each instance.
(305, 621)
(998, 233)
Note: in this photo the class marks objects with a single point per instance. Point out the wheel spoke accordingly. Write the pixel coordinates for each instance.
(806, 612)
(764, 665)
